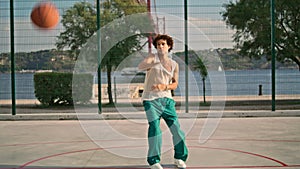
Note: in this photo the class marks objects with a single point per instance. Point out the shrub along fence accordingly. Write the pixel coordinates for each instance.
(54, 88)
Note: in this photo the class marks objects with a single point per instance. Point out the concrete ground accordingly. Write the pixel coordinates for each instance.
(233, 106)
(262, 142)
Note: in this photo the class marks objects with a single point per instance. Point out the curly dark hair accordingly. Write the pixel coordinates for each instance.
(168, 38)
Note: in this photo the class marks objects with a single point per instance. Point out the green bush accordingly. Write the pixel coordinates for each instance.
(52, 88)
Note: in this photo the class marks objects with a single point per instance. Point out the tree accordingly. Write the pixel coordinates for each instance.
(251, 20)
(198, 65)
(79, 22)
(81, 28)
(118, 9)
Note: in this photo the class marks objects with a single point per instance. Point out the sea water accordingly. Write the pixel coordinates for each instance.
(241, 82)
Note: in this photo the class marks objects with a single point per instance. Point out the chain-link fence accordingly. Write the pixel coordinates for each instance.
(36, 50)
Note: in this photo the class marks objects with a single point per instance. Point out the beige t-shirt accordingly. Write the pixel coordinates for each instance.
(158, 75)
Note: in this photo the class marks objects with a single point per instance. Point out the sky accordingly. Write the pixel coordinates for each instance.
(206, 28)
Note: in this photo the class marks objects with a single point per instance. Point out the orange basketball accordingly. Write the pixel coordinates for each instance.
(45, 15)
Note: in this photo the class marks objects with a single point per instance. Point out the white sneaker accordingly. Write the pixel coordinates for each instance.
(156, 166)
(180, 163)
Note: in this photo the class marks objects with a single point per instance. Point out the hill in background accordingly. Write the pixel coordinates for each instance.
(231, 60)
(60, 60)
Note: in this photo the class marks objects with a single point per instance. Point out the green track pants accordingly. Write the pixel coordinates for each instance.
(155, 110)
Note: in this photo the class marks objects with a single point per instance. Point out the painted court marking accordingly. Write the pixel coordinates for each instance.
(279, 164)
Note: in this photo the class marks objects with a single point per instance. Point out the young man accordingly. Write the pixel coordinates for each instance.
(161, 78)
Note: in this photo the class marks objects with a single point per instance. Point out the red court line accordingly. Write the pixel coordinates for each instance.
(55, 155)
(72, 152)
(281, 164)
(194, 167)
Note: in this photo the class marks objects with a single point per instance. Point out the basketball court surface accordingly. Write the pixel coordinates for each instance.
(236, 143)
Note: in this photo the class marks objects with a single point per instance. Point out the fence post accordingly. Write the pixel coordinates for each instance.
(115, 89)
(12, 56)
(273, 52)
(260, 90)
(99, 58)
(186, 56)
